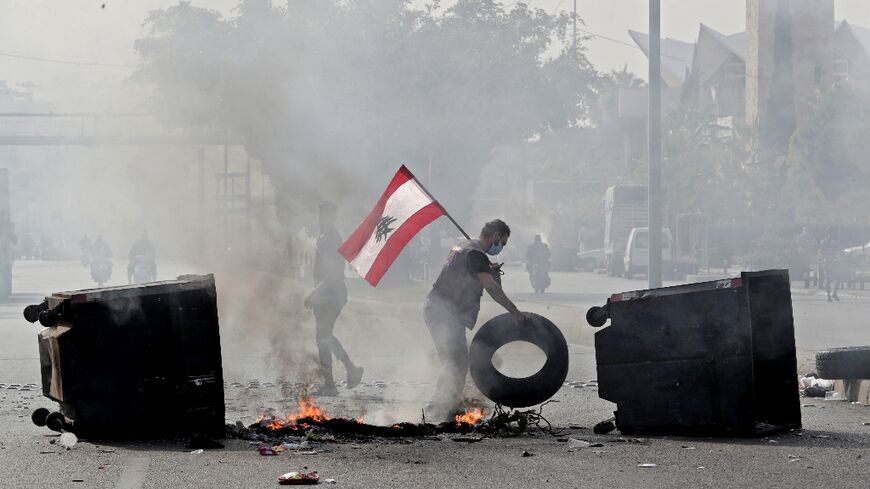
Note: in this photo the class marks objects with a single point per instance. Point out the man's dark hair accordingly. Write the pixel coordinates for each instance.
(496, 226)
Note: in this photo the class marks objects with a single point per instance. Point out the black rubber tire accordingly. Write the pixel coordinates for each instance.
(509, 391)
(844, 363)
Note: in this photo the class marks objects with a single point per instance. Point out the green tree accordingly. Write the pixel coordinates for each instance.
(332, 96)
(706, 167)
(828, 169)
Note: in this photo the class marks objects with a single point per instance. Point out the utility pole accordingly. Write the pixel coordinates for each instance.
(655, 146)
(574, 47)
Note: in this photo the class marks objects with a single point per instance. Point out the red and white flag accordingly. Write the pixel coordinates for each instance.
(402, 211)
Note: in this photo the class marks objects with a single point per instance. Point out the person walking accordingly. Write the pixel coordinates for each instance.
(327, 300)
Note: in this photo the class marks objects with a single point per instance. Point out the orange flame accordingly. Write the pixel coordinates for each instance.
(307, 410)
(471, 416)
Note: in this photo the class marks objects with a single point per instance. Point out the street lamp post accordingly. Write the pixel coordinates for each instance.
(654, 272)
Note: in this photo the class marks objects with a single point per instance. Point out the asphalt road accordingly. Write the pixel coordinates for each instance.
(267, 335)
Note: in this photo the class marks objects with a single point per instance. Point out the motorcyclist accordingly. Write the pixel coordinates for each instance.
(87, 250)
(142, 253)
(101, 261)
(538, 264)
(101, 250)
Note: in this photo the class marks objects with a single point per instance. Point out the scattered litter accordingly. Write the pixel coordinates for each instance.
(605, 426)
(296, 446)
(641, 441)
(822, 436)
(267, 451)
(78, 480)
(574, 443)
(329, 481)
(527, 453)
(68, 440)
(701, 467)
(686, 447)
(834, 396)
(772, 441)
(866, 423)
(298, 478)
(599, 452)
(811, 386)
(809, 405)
(647, 466)
(45, 452)
(105, 450)
(197, 451)
(793, 458)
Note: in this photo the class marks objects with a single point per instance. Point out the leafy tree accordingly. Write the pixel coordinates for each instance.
(828, 169)
(332, 96)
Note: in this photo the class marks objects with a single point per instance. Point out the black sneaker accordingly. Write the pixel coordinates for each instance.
(326, 390)
(354, 376)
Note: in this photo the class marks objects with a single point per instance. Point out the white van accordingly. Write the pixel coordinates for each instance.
(637, 252)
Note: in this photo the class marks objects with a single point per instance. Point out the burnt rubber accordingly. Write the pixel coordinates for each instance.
(510, 391)
(844, 363)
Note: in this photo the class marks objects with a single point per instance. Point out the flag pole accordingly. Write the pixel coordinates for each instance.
(442, 208)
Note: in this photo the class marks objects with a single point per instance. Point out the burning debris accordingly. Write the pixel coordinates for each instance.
(312, 423)
(307, 411)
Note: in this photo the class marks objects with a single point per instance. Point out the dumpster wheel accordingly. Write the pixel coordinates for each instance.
(844, 363)
(518, 392)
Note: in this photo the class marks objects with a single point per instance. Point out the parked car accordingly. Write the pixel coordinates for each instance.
(637, 252)
(591, 260)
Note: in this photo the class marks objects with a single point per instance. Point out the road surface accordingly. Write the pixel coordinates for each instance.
(268, 336)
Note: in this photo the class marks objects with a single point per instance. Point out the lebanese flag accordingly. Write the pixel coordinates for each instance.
(402, 211)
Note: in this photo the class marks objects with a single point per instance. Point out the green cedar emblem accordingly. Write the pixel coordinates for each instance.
(384, 228)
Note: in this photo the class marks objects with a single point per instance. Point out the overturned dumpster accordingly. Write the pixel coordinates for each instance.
(711, 358)
(137, 361)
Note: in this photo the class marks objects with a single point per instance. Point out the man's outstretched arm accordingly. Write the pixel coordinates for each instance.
(497, 293)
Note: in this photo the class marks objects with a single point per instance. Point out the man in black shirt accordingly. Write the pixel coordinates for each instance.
(327, 299)
(452, 307)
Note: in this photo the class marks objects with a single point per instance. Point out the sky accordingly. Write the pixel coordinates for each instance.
(82, 31)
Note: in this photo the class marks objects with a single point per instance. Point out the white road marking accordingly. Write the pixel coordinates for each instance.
(133, 475)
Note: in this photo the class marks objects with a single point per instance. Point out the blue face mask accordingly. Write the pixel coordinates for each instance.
(495, 248)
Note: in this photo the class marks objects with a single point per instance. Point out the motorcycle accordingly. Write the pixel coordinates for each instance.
(539, 276)
(101, 270)
(142, 269)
